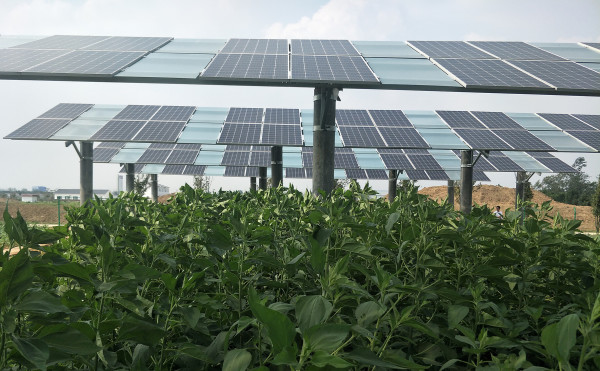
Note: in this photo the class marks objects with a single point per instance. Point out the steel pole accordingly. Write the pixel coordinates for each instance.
(392, 185)
(451, 193)
(253, 183)
(86, 172)
(466, 181)
(324, 139)
(276, 166)
(154, 187)
(262, 178)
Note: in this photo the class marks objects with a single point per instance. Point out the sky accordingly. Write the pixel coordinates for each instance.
(25, 164)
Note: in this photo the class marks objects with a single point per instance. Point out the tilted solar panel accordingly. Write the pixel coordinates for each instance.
(66, 111)
(118, 130)
(160, 131)
(396, 161)
(424, 162)
(323, 47)
(460, 119)
(245, 115)
(256, 46)
(503, 163)
(591, 138)
(286, 135)
(86, 62)
(69, 42)
(235, 159)
(390, 118)
(173, 169)
(38, 129)
(174, 113)
(235, 171)
(248, 66)
(240, 134)
(592, 120)
(104, 154)
(403, 137)
(285, 116)
(497, 120)
(516, 50)
(563, 75)
(331, 68)
(179, 156)
(18, 60)
(137, 112)
(449, 49)
(154, 156)
(566, 122)
(361, 136)
(197, 170)
(522, 140)
(482, 139)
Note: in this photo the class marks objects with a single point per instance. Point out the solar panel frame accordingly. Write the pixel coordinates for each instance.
(402, 137)
(593, 45)
(159, 131)
(449, 49)
(515, 50)
(180, 156)
(353, 117)
(566, 122)
(562, 75)
(163, 146)
(119, 130)
(390, 118)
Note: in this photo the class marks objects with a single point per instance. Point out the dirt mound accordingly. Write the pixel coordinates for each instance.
(36, 212)
(505, 197)
(164, 199)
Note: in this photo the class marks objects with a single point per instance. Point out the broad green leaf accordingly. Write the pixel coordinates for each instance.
(392, 219)
(195, 351)
(550, 341)
(456, 313)
(237, 360)
(327, 337)
(286, 357)
(71, 341)
(141, 331)
(448, 364)
(466, 340)
(312, 310)
(281, 330)
(15, 277)
(41, 302)
(566, 335)
(368, 312)
(317, 256)
(33, 350)
(324, 359)
(367, 357)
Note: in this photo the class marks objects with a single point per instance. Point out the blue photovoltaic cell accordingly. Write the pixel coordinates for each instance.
(592, 120)
(174, 113)
(248, 66)
(489, 73)
(591, 138)
(194, 170)
(479, 176)
(356, 174)
(416, 174)
(286, 135)
(154, 156)
(483, 164)
(396, 161)
(179, 156)
(402, 137)
(503, 163)
(563, 75)
(307, 159)
(482, 139)
(18, 60)
(88, 63)
(261, 159)
(437, 175)
(516, 50)
(137, 168)
(65, 111)
(240, 134)
(295, 173)
(189, 146)
(160, 131)
(497, 120)
(331, 68)
(237, 148)
(104, 154)
(460, 120)
(163, 145)
(555, 165)
(424, 162)
(285, 116)
(390, 118)
(361, 136)
(118, 130)
(69, 42)
(38, 129)
(137, 112)
(235, 159)
(353, 117)
(376, 174)
(245, 115)
(415, 151)
(345, 161)
(450, 49)
(118, 145)
(174, 169)
(566, 122)
(256, 46)
(127, 43)
(323, 47)
(235, 171)
(252, 171)
(522, 140)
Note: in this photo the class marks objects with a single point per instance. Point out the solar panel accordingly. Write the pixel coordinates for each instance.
(482, 139)
(563, 75)
(137, 168)
(164, 145)
(240, 134)
(356, 174)
(261, 159)
(449, 49)
(503, 163)
(248, 66)
(256, 46)
(104, 154)
(136, 112)
(174, 113)
(252, 172)
(235, 158)
(118, 145)
(260, 149)
(361, 136)
(189, 146)
(66, 111)
(174, 169)
(479, 176)
(437, 175)
(160, 131)
(345, 161)
(424, 162)
(516, 50)
(154, 156)
(322, 47)
(460, 120)
(415, 151)
(62, 42)
(591, 138)
(17, 60)
(416, 174)
(295, 173)
(566, 122)
(376, 174)
(286, 135)
(179, 156)
(331, 68)
(127, 43)
(593, 45)
(285, 116)
(391, 150)
(489, 73)
(403, 137)
(307, 159)
(245, 115)
(592, 120)
(396, 161)
(197, 170)
(88, 63)
(353, 117)
(238, 148)
(483, 164)
(118, 130)
(390, 118)
(522, 140)
(38, 129)
(497, 120)
(309, 172)
(555, 165)
(235, 171)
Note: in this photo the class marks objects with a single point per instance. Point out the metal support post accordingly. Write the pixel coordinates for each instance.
(324, 139)
(129, 177)
(451, 192)
(154, 187)
(276, 166)
(262, 178)
(466, 181)
(520, 188)
(253, 183)
(86, 172)
(392, 185)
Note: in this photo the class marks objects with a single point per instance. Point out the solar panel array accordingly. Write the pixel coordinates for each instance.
(552, 163)
(271, 126)
(48, 123)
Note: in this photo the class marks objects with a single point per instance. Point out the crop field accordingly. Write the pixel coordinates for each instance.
(282, 280)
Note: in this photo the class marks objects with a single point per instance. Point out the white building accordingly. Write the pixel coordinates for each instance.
(27, 197)
(163, 190)
(73, 194)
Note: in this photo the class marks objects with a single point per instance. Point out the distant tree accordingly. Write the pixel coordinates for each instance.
(141, 183)
(341, 183)
(571, 188)
(202, 182)
(596, 206)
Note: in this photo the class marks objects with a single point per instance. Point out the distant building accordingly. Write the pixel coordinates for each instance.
(163, 190)
(73, 194)
(39, 189)
(28, 197)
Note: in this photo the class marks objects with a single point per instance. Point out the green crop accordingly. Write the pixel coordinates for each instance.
(282, 280)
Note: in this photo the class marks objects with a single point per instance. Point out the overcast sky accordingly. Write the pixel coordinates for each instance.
(29, 163)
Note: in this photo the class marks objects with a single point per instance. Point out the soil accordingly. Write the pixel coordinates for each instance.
(505, 197)
(37, 212)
